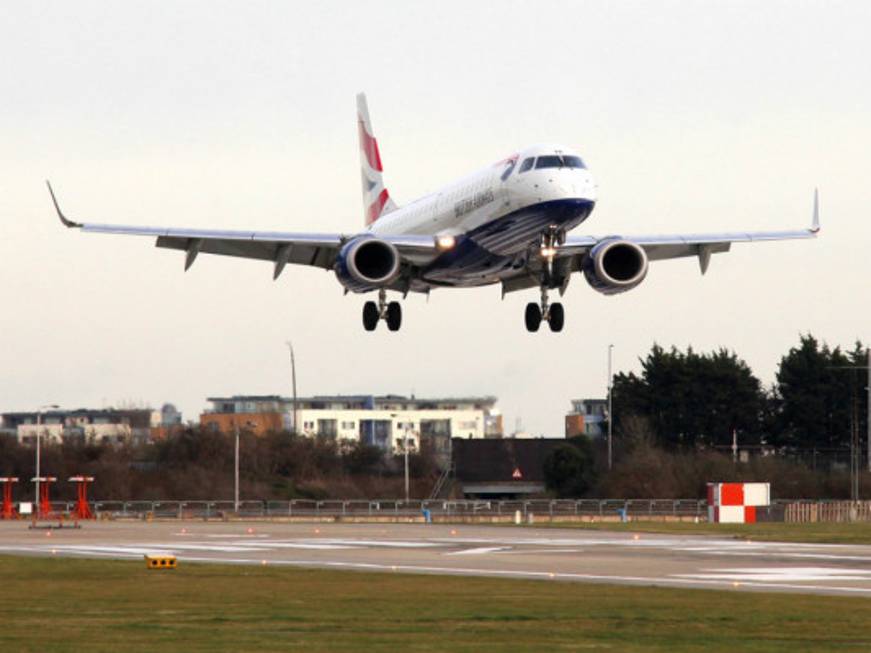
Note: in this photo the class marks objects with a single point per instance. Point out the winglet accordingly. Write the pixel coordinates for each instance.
(66, 221)
(815, 225)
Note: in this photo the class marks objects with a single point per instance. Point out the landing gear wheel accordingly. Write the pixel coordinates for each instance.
(533, 317)
(557, 317)
(394, 316)
(370, 316)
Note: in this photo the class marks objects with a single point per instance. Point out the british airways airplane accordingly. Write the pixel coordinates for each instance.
(508, 223)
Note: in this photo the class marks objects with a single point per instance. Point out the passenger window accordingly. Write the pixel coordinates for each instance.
(527, 164)
(552, 161)
(574, 162)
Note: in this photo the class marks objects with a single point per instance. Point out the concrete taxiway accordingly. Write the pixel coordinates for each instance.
(507, 552)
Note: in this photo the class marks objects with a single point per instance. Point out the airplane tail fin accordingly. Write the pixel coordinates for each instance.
(376, 199)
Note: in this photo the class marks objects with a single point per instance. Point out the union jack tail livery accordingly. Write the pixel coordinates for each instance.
(376, 199)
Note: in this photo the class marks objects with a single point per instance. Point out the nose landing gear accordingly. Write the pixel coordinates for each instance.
(553, 314)
(390, 312)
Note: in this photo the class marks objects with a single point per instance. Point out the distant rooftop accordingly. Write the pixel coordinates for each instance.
(356, 398)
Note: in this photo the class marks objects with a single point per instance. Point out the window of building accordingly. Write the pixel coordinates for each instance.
(347, 426)
(435, 427)
(327, 428)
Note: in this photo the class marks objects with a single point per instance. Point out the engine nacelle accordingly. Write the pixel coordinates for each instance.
(615, 266)
(366, 263)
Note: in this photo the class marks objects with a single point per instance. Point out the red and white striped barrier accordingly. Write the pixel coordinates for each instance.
(736, 503)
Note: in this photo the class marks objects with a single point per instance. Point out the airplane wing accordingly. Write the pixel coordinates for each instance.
(281, 248)
(659, 248)
(569, 256)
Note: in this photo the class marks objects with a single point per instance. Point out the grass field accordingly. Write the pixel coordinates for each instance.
(103, 605)
(855, 533)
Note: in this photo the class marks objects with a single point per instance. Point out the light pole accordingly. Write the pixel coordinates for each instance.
(405, 450)
(868, 417)
(404, 453)
(236, 466)
(38, 440)
(236, 472)
(293, 375)
(610, 410)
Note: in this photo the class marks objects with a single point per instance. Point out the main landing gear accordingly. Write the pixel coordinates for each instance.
(553, 314)
(390, 312)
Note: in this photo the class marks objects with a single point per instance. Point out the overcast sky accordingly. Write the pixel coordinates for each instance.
(692, 116)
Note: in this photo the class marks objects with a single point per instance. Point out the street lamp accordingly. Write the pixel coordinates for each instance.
(248, 425)
(405, 455)
(610, 413)
(38, 440)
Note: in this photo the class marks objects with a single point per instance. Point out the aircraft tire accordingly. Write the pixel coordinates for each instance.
(533, 317)
(394, 316)
(370, 316)
(557, 317)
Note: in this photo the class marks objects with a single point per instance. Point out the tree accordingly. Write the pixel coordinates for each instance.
(692, 399)
(814, 395)
(568, 468)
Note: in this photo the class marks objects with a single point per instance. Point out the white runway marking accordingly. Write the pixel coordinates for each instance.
(478, 551)
(779, 574)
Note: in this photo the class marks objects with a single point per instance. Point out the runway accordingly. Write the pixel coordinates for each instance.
(570, 555)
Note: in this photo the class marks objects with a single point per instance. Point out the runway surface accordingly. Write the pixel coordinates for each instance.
(471, 550)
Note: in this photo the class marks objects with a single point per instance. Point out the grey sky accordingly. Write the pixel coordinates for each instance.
(692, 117)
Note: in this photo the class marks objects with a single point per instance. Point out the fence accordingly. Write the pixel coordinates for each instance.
(827, 511)
(780, 510)
(392, 508)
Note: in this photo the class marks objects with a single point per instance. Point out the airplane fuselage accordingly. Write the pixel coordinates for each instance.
(496, 215)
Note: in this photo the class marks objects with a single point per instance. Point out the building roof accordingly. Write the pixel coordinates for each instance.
(357, 398)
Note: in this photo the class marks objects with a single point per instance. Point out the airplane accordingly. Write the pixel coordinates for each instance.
(505, 224)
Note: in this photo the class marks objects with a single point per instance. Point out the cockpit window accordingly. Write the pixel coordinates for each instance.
(527, 164)
(509, 169)
(573, 161)
(556, 161)
(551, 161)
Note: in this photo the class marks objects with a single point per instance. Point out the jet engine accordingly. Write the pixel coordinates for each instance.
(615, 266)
(366, 263)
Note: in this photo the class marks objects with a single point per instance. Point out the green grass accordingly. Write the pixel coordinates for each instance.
(101, 605)
(825, 532)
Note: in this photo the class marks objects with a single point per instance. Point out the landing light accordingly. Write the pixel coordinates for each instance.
(548, 252)
(445, 242)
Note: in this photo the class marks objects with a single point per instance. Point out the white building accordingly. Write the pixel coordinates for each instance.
(383, 421)
(101, 425)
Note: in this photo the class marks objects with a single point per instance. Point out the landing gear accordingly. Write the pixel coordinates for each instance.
(389, 312)
(557, 317)
(370, 316)
(533, 317)
(553, 314)
(394, 316)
